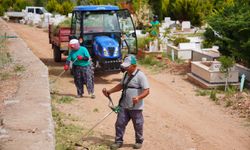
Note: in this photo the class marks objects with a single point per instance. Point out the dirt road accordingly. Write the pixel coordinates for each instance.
(175, 119)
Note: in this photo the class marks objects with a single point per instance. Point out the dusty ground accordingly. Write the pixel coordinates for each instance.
(175, 118)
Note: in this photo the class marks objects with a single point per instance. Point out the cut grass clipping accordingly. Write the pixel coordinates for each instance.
(69, 132)
(65, 99)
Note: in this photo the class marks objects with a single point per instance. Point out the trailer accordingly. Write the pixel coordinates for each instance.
(59, 40)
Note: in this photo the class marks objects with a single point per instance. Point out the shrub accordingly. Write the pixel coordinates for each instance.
(180, 40)
(1, 11)
(213, 95)
(65, 99)
(141, 42)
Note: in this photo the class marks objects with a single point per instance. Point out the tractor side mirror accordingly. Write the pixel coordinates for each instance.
(133, 34)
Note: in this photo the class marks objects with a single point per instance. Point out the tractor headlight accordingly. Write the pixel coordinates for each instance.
(105, 52)
(116, 52)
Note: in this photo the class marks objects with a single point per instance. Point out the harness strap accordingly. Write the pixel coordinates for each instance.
(131, 87)
(125, 85)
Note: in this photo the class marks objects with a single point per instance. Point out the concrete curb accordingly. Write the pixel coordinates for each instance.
(27, 117)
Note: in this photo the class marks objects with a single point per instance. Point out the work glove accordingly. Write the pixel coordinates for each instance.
(79, 57)
(66, 67)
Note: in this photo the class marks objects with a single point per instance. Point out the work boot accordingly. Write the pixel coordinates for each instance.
(137, 146)
(79, 96)
(115, 146)
(92, 96)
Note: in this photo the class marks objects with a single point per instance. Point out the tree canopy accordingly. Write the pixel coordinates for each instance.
(231, 26)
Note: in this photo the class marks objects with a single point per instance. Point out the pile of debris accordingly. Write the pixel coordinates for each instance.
(238, 102)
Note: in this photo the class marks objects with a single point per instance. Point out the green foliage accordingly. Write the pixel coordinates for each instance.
(65, 99)
(69, 131)
(39, 2)
(202, 92)
(180, 40)
(157, 7)
(65, 23)
(142, 13)
(6, 4)
(19, 68)
(20, 4)
(184, 10)
(213, 95)
(226, 64)
(210, 38)
(1, 10)
(67, 7)
(231, 90)
(63, 8)
(4, 59)
(164, 7)
(4, 55)
(59, 8)
(143, 41)
(66, 134)
(153, 63)
(232, 26)
(51, 5)
(4, 75)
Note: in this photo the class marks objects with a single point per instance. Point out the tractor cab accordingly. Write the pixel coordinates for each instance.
(107, 32)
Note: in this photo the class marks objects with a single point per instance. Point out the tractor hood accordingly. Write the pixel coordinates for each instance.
(107, 47)
(106, 41)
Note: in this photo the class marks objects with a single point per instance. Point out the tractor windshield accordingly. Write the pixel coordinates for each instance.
(100, 22)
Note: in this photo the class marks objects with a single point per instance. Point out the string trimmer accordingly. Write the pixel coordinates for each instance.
(53, 81)
(113, 108)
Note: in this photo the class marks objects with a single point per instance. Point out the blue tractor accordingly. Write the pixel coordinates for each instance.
(107, 32)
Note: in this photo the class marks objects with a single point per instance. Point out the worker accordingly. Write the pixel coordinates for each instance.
(83, 74)
(135, 88)
(154, 24)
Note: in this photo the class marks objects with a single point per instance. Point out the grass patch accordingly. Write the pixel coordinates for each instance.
(213, 96)
(99, 147)
(153, 63)
(19, 68)
(65, 99)
(96, 110)
(231, 90)
(4, 55)
(4, 58)
(202, 92)
(66, 134)
(177, 60)
(69, 133)
(5, 75)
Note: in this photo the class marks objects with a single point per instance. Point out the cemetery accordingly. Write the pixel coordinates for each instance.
(194, 55)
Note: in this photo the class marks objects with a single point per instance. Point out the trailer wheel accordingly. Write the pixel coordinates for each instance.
(57, 54)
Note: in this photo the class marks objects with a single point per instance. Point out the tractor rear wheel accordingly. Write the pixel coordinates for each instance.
(57, 54)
